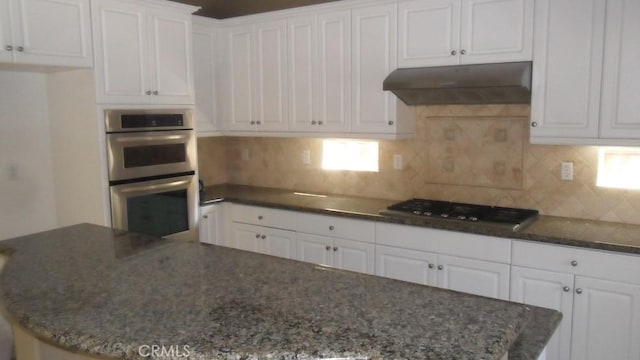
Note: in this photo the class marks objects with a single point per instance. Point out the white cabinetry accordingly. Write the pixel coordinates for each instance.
(143, 52)
(205, 50)
(46, 32)
(212, 225)
(598, 294)
(463, 262)
(449, 32)
(319, 68)
(263, 230)
(257, 86)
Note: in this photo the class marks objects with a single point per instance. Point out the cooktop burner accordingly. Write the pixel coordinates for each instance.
(510, 218)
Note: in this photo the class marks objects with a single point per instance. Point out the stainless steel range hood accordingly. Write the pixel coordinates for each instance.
(504, 83)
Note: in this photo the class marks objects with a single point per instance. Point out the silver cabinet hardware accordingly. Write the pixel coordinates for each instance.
(574, 263)
(148, 92)
(263, 237)
(534, 124)
(454, 53)
(331, 227)
(20, 48)
(8, 48)
(566, 289)
(431, 266)
(258, 122)
(440, 267)
(313, 122)
(257, 236)
(390, 122)
(205, 216)
(328, 247)
(260, 217)
(578, 291)
(252, 122)
(335, 248)
(320, 122)
(463, 51)
(155, 92)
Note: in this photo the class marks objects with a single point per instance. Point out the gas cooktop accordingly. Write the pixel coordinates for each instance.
(503, 217)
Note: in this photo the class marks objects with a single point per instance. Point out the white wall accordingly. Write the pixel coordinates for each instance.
(27, 201)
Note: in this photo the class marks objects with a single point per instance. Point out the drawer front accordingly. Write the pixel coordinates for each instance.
(275, 218)
(567, 259)
(335, 226)
(445, 242)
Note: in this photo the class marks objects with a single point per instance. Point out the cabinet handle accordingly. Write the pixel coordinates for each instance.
(20, 49)
(335, 248)
(431, 266)
(574, 263)
(155, 92)
(390, 122)
(534, 124)
(257, 236)
(263, 237)
(454, 53)
(328, 247)
(252, 122)
(578, 291)
(463, 51)
(320, 122)
(8, 48)
(440, 267)
(205, 216)
(258, 122)
(148, 92)
(566, 289)
(313, 122)
(331, 227)
(260, 217)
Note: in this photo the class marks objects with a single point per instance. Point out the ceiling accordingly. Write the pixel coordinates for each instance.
(221, 9)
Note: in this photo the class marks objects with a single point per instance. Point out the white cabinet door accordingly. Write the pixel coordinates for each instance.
(204, 52)
(474, 276)
(120, 40)
(278, 242)
(567, 69)
(496, 31)
(354, 256)
(606, 320)
(241, 78)
(271, 76)
(407, 265)
(170, 57)
(429, 33)
(6, 43)
(302, 32)
(211, 225)
(315, 249)
(246, 237)
(334, 73)
(374, 57)
(550, 290)
(620, 115)
(52, 32)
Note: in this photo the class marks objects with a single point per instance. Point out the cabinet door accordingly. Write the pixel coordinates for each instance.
(5, 33)
(474, 276)
(315, 249)
(171, 75)
(406, 265)
(120, 41)
(302, 44)
(620, 116)
(354, 256)
(429, 33)
(606, 320)
(567, 69)
(210, 225)
(204, 78)
(550, 290)
(240, 84)
(246, 237)
(374, 57)
(280, 243)
(52, 32)
(271, 76)
(334, 73)
(496, 31)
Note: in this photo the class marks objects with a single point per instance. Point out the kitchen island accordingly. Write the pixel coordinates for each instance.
(94, 290)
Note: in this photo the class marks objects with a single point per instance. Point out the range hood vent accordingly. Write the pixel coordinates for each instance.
(504, 83)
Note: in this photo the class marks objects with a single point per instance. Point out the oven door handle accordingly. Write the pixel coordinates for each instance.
(155, 185)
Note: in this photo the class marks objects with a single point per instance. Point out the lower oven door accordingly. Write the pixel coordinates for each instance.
(165, 208)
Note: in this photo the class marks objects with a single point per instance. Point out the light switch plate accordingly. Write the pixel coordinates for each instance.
(566, 171)
(245, 154)
(306, 157)
(397, 162)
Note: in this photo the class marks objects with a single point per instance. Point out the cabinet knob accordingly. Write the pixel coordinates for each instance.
(148, 92)
(463, 51)
(263, 237)
(390, 122)
(313, 122)
(335, 248)
(252, 122)
(574, 263)
(20, 48)
(578, 291)
(8, 48)
(257, 236)
(566, 289)
(328, 247)
(431, 266)
(454, 53)
(258, 122)
(320, 122)
(331, 227)
(205, 216)
(155, 92)
(260, 217)
(534, 124)
(440, 267)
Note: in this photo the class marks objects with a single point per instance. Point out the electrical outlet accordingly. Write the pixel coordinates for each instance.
(245, 154)
(306, 157)
(566, 171)
(397, 162)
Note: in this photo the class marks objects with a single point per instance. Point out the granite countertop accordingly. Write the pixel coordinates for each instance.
(96, 290)
(593, 234)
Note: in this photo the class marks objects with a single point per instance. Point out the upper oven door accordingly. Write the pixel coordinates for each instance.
(148, 120)
(145, 154)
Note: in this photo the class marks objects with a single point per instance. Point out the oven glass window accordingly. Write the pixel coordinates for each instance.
(132, 121)
(158, 214)
(137, 156)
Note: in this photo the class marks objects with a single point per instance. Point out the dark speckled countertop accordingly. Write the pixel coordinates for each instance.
(600, 235)
(91, 289)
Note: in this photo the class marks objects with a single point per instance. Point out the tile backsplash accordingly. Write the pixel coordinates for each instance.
(476, 153)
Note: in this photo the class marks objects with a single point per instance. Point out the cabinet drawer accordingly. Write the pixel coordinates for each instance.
(335, 226)
(567, 259)
(445, 242)
(281, 219)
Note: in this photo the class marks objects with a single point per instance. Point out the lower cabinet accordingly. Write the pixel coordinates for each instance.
(265, 240)
(450, 272)
(340, 253)
(212, 224)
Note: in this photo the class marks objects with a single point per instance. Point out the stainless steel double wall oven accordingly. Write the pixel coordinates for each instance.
(152, 172)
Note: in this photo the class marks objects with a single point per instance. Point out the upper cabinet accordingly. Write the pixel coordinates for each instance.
(205, 80)
(143, 53)
(46, 32)
(450, 32)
